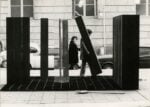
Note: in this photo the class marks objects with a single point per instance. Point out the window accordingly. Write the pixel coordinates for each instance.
(143, 8)
(85, 7)
(22, 8)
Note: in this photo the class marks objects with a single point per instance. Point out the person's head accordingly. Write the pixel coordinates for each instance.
(74, 39)
(89, 31)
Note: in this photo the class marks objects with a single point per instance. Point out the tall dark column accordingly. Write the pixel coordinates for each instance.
(25, 49)
(11, 71)
(126, 51)
(18, 49)
(65, 48)
(44, 48)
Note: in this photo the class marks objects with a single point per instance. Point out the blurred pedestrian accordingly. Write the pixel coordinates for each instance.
(73, 53)
(84, 54)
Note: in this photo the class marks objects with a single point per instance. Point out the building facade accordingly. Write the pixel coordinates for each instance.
(97, 15)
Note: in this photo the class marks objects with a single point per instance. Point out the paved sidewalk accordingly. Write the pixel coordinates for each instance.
(137, 98)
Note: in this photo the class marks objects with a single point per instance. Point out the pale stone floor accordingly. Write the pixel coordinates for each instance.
(137, 98)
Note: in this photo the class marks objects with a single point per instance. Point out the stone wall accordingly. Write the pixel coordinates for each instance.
(62, 9)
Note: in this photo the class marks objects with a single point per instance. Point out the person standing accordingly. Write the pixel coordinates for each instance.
(73, 53)
(84, 54)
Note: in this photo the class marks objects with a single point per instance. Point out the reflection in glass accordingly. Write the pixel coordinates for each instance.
(141, 9)
(79, 10)
(90, 10)
(28, 2)
(15, 11)
(28, 11)
(143, 1)
(15, 2)
(89, 1)
(77, 1)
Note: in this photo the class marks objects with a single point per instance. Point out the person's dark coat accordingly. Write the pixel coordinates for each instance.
(73, 53)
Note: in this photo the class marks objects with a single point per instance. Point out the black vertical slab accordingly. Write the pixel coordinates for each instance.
(126, 51)
(94, 64)
(10, 51)
(25, 46)
(14, 47)
(17, 49)
(65, 48)
(44, 48)
(60, 46)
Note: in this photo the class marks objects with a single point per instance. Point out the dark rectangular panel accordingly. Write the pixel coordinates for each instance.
(44, 48)
(126, 51)
(14, 62)
(65, 48)
(17, 49)
(25, 49)
(93, 62)
(10, 50)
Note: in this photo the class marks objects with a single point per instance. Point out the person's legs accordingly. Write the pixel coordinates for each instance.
(83, 66)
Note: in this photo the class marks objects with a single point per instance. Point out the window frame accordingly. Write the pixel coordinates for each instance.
(21, 8)
(147, 8)
(84, 8)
